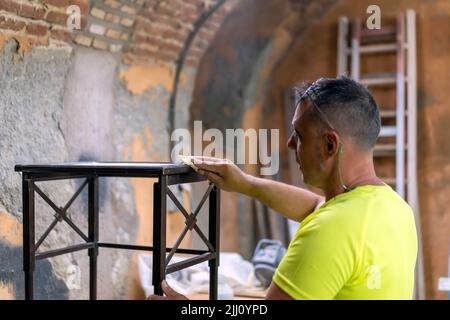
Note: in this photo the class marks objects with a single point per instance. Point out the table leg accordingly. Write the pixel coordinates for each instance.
(214, 239)
(159, 233)
(93, 235)
(28, 235)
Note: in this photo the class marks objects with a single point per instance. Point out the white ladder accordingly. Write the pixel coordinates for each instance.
(401, 41)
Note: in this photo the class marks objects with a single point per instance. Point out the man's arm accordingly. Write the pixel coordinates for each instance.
(276, 293)
(292, 202)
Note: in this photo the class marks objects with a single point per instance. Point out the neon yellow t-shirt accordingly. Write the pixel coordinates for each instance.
(361, 244)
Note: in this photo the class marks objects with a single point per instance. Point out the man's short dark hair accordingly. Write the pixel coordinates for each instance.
(347, 105)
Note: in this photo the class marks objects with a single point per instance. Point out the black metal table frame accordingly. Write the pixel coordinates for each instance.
(161, 190)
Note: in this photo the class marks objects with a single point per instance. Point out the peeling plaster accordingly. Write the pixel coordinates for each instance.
(6, 293)
(10, 229)
(143, 199)
(148, 138)
(3, 39)
(25, 44)
(141, 76)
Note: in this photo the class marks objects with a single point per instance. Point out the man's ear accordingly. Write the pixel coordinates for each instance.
(331, 144)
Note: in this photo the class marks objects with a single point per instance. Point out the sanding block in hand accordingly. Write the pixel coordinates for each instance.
(187, 160)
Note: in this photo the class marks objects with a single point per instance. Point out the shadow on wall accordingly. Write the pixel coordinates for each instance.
(47, 285)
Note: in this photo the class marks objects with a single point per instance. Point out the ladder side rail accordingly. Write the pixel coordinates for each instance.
(412, 189)
(342, 54)
(355, 54)
(400, 107)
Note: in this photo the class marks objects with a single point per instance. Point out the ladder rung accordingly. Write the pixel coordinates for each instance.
(379, 79)
(385, 31)
(375, 48)
(385, 149)
(388, 131)
(388, 113)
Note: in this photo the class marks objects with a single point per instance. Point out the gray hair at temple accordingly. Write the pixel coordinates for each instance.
(347, 106)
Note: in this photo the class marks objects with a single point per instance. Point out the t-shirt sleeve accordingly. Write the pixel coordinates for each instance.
(318, 262)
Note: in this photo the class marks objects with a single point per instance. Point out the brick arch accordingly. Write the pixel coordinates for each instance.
(162, 27)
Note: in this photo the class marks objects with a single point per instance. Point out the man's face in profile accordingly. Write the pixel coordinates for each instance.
(305, 141)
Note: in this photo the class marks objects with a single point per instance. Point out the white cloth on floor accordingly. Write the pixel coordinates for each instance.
(237, 272)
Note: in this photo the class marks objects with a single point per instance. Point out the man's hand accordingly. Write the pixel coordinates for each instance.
(169, 292)
(223, 173)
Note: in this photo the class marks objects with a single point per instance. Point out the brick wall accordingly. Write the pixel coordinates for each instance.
(143, 30)
(38, 21)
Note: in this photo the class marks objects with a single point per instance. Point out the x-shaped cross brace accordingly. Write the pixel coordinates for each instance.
(191, 222)
(61, 214)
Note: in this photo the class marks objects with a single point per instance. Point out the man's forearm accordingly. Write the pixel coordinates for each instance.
(292, 202)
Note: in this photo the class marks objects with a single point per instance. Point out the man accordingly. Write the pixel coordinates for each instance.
(361, 243)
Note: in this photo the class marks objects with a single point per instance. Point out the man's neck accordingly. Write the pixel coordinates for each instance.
(359, 173)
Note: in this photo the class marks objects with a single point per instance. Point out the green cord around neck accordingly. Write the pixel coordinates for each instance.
(341, 181)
